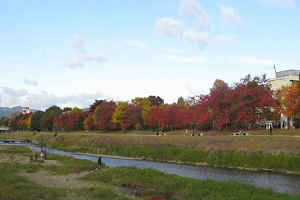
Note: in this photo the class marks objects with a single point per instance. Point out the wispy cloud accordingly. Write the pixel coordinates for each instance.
(78, 41)
(195, 13)
(169, 26)
(229, 16)
(224, 41)
(184, 58)
(253, 61)
(135, 43)
(257, 61)
(200, 39)
(14, 92)
(78, 61)
(280, 3)
(30, 82)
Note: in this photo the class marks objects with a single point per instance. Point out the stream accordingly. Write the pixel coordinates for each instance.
(281, 183)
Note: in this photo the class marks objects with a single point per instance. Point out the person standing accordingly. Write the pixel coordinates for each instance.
(99, 162)
(42, 153)
(271, 129)
(45, 152)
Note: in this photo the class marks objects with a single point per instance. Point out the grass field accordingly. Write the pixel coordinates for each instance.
(61, 177)
(280, 152)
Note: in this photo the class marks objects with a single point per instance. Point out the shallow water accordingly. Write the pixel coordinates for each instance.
(282, 183)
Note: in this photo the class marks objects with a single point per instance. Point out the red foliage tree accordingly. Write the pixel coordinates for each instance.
(132, 118)
(156, 117)
(103, 115)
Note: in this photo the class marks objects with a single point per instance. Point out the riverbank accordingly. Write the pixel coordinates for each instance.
(61, 177)
(276, 154)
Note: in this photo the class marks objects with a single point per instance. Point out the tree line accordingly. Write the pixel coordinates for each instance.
(244, 104)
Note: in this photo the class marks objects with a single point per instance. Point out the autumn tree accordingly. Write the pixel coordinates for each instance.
(49, 116)
(14, 119)
(132, 118)
(60, 122)
(155, 118)
(155, 101)
(119, 112)
(95, 105)
(103, 115)
(74, 121)
(88, 123)
(292, 103)
(145, 104)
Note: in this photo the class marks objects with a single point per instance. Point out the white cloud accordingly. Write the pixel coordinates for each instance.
(15, 93)
(229, 16)
(135, 43)
(93, 56)
(78, 61)
(184, 58)
(280, 3)
(193, 11)
(200, 39)
(44, 100)
(169, 26)
(224, 41)
(78, 41)
(74, 61)
(30, 82)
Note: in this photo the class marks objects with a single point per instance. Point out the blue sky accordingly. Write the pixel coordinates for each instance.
(69, 53)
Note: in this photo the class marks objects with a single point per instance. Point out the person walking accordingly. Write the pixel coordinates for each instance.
(271, 129)
(99, 162)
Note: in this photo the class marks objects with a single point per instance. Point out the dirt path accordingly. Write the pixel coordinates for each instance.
(44, 178)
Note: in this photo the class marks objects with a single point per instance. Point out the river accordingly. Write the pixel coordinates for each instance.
(281, 183)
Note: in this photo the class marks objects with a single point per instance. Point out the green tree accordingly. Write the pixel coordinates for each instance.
(49, 116)
(180, 101)
(35, 123)
(4, 121)
(66, 109)
(75, 109)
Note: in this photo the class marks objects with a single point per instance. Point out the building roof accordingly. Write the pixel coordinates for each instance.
(290, 72)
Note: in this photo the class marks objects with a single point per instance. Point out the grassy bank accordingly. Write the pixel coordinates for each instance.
(278, 153)
(14, 186)
(109, 183)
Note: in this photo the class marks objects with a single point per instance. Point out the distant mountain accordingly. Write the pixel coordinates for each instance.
(5, 111)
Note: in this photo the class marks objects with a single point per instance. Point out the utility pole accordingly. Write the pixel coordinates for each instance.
(275, 70)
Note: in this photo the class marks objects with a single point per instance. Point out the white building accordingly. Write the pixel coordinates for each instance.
(284, 78)
(25, 110)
